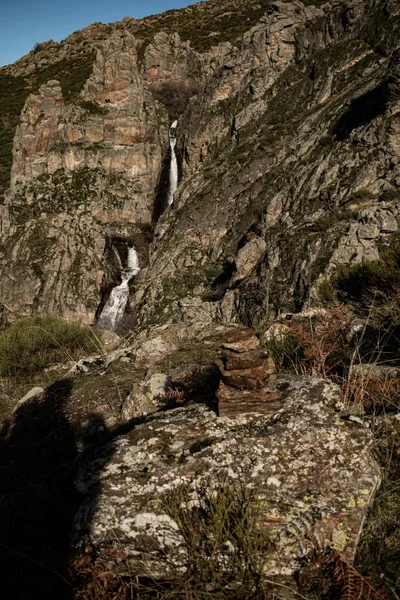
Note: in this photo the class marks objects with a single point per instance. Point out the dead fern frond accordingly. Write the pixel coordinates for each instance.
(330, 574)
(350, 584)
(93, 579)
(172, 398)
(178, 395)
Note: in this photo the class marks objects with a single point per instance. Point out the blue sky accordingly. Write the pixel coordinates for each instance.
(23, 23)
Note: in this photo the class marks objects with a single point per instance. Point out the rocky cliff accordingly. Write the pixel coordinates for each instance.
(189, 438)
(288, 154)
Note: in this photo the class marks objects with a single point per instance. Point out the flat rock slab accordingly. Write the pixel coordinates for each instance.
(312, 469)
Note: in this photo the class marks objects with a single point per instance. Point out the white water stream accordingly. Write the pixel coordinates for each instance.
(173, 167)
(114, 308)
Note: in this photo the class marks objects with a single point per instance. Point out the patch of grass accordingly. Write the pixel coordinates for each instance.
(338, 216)
(379, 550)
(326, 292)
(32, 344)
(390, 196)
(286, 352)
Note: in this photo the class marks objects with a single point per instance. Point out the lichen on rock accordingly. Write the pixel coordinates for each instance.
(313, 472)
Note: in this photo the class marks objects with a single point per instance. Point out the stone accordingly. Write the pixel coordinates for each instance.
(145, 397)
(248, 257)
(368, 371)
(314, 474)
(33, 394)
(234, 401)
(155, 349)
(251, 378)
(369, 231)
(244, 373)
(233, 361)
(109, 339)
(115, 355)
(241, 340)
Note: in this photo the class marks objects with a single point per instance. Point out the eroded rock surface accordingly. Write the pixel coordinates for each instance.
(313, 471)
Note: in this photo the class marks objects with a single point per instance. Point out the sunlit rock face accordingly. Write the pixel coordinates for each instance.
(287, 161)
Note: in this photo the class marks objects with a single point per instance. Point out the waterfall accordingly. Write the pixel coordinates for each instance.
(173, 167)
(114, 308)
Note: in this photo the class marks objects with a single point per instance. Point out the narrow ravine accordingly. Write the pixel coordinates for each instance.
(115, 306)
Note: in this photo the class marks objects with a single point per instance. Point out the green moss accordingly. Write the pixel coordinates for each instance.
(334, 218)
(64, 191)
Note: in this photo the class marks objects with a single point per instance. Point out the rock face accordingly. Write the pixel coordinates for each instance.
(288, 156)
(312, 470)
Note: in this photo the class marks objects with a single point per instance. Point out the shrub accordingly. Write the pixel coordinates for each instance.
(225, 546)
(390, 196)
(314, 346)
(35, 343)
(326, 292)
(371, 282)
(286, 351)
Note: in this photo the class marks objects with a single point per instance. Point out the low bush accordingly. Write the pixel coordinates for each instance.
(35, 343)
(286, 351)
(223, 555)
(370, 282)
(225, 546)
(314, 346)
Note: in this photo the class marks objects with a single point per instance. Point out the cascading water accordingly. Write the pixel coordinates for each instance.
(173, 167)
(114, 308)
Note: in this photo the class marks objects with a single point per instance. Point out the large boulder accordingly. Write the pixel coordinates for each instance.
(311, 467)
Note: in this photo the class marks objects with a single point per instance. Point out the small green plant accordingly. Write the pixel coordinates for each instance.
(326, 292)
(286, 351)
(226, 548)
(370, 282)
(390, 196)
(360, 196)
(34, 343)
(147, 227)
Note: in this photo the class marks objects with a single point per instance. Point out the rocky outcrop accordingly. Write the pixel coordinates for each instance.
(319, 179)
(291, 133)
(82, 174)
(312, 469)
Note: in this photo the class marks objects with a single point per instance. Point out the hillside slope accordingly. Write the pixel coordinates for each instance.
(288, 158)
